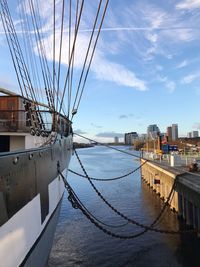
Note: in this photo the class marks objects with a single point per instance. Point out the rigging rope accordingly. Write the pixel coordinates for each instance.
(73, 58)
(90, 62)
(73, 48)
(87, 53)
(111, 147)
(60, 51)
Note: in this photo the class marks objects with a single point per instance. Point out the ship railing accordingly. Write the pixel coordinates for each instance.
(17, 121)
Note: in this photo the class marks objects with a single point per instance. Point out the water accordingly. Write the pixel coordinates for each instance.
(79, 243)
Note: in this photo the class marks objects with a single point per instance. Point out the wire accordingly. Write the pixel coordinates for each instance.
(87, 53)
(73, 47)
(114, 148)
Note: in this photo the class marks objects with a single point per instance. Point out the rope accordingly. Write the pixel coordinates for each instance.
(111, 147)
(92, 55)
(87, 53)
(71, 56)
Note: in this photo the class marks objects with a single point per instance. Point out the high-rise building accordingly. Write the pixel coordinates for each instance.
(129, 138)
(174, 132)
(189, 135)
(152, 131)
(169, 134)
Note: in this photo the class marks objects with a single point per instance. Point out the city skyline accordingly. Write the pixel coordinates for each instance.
(145, 70)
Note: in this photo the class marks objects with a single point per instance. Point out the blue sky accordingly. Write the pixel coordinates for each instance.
(145, 71)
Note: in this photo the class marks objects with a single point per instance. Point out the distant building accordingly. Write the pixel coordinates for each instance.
(169, 134)
(143, 137)
(116, 140)
(152, 131)
(194, 134)
(174, 132)
(129, 138)
(189, 135)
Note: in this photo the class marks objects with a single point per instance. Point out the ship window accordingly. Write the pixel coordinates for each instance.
(4, 143)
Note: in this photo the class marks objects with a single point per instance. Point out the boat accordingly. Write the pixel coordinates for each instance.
(31, 188)
(36, 136)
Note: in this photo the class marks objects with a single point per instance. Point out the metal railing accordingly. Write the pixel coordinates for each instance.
(19, 121)
(173, 159)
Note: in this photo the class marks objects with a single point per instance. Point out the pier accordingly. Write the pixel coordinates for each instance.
(186, 198)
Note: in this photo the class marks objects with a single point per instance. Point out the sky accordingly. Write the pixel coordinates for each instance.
(146, 68)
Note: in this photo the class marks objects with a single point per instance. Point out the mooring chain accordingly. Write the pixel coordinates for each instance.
(108, 179)
(92, 218)
(151, 228)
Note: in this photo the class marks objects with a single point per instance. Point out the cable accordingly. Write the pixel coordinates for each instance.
(87, 53)
(114, 148)
(73, 47)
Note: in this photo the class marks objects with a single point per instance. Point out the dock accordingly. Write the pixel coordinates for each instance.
(186, 197)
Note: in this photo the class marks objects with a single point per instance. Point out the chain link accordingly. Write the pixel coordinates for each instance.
(151, 227)
(108, 179)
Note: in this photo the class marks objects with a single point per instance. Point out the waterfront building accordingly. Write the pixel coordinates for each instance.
(174, 132)
(152, 131)
(129, 138)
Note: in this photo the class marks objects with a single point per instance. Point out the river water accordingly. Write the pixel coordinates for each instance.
(79, 243)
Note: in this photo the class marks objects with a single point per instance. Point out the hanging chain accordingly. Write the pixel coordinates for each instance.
(151, 228)
(108, 179)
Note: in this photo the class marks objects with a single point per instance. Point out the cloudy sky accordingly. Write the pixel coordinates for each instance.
(146, 68)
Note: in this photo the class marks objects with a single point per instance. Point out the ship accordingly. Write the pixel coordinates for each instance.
(31, 188)
(36, 136)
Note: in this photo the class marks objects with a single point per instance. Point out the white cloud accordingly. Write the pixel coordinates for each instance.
(152, 37)
(182, 64)
(190, 78)
(110, 71)
(170, 85)
(196, 125)
(109, 134)
(188, 4)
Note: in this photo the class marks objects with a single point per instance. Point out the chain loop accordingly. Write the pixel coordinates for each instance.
(108, 179)
(147, 228)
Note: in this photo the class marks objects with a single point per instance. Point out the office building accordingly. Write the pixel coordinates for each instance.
(152, 131)
(129, 138)
(193, 134)
(169, 134)
(174, 132)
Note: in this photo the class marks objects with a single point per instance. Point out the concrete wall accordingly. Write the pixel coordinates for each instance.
(151, 172)
(186, 198)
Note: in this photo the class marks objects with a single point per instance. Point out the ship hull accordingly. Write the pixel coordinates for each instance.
(39, 253)
(31, 191)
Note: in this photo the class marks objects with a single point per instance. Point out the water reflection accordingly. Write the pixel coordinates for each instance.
(79, 243)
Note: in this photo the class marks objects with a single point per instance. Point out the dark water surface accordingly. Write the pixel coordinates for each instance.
(79, 243)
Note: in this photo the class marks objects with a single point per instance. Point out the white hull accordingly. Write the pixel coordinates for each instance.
(20, 233)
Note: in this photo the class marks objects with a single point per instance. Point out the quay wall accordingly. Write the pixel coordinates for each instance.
(186, 197)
